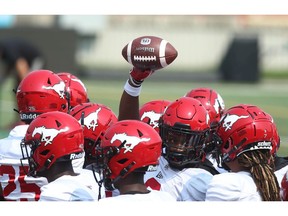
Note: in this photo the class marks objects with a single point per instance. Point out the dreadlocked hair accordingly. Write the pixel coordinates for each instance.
(260, 164)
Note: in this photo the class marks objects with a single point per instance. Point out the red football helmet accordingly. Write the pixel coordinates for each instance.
(184, 128)
(244, 128)
(39, 92)
(211, 100)
(77, 92)
(129, 146)
(151, 111)
(284, 187)
(276, 139)
(51, 137)
(95, 119)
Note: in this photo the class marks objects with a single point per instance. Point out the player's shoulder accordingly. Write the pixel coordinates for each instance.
(231, 181)
(232, 187)
(231, 177)
(66, 188)
(161, 195)
(62, 183)
(197, 171)
(18, 131)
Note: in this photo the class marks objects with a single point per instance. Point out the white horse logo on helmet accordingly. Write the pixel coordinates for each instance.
(219, 104)
(59, 88)
(154, 117)
(48, 134)
(91, 120)
(80, 82)
(130, 141)
(229, 120)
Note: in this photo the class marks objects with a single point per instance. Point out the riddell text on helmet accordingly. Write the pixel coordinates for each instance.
(76, 155)
(30, 116)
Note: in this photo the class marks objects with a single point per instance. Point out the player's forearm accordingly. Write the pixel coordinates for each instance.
(128, 107)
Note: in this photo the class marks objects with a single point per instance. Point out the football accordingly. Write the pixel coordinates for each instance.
(149, 52)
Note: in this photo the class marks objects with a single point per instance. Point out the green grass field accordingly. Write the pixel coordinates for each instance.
(270, 95)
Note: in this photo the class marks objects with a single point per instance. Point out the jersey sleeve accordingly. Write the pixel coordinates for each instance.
(232, 187)
(195, 189)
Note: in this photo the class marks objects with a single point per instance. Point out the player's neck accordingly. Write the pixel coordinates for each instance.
(133, 189)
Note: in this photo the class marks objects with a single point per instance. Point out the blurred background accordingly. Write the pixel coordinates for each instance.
(243, 57)
(95, 42)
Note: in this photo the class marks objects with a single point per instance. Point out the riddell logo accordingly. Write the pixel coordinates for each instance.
(76, 155)
(145, 41)
(30, 116)
(152, 168)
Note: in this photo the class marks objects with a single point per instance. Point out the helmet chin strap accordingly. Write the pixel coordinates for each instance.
(99, 182)
(226, 158)
(68, 98)
(82, 119)
(123, 172)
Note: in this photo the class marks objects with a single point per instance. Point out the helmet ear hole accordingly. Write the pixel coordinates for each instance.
(123, 161)
(227, 145)
(45, 152)
(63, 106)
(48, 161)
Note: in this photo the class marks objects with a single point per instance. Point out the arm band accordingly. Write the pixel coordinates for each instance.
(133, 91)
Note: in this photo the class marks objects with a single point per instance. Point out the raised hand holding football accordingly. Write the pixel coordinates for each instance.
(149, 53)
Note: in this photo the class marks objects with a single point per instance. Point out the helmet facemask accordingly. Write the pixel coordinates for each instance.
(90, 148)
(101, 166)
(182, 145)
(28, 150)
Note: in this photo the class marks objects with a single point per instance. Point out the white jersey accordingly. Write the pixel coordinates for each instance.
(87, 178)
(231, 186)
(15, 184)
(67, 188)
(78, 164)
(189, 184)
(280, 173)
(158, 196)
